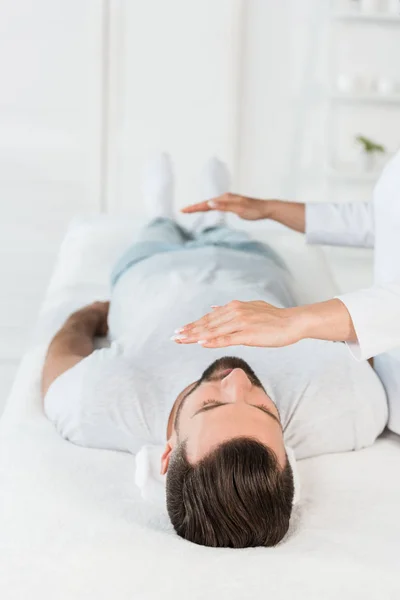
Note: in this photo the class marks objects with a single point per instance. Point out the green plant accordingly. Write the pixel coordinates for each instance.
(369, 146)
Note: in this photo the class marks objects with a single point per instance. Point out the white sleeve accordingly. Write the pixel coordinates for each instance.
(376, 317)
(88, 406)
(340, 224)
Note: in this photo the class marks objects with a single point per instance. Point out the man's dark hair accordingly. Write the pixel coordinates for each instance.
(237, 496)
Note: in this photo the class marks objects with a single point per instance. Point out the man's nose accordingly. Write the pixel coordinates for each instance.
(235, 385)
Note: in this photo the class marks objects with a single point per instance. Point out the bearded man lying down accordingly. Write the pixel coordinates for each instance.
(225, 420)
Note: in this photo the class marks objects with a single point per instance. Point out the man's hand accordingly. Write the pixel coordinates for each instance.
(250, 209)
(243, 323)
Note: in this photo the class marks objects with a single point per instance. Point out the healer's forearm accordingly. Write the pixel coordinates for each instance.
(328, 320)
(291, 214)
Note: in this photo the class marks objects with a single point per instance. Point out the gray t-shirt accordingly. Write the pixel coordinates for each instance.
(121, 397)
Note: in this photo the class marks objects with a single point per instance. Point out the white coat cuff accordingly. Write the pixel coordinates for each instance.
(340, 224)
(374, 314)
(317, 217)
(358, 349)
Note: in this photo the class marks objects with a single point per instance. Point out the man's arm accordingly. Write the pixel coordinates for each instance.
(74, 341)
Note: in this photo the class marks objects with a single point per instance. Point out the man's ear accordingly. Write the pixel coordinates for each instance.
(166, 456)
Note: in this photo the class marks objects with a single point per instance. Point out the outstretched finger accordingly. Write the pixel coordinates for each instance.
(210, 320)
(225, 203)
(209, 334)
(222, 341)
(199, 207)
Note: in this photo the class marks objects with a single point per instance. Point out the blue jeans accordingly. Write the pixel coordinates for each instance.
(165, 235)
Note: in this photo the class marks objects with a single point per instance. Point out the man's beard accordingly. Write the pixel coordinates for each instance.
(218, 370)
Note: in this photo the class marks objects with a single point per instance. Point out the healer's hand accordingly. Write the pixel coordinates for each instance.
(251, 209)
(243, 323)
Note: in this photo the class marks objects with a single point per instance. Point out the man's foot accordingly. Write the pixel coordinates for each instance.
(215, 180)
(158, 187)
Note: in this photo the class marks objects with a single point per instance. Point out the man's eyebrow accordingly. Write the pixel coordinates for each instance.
(212, 406)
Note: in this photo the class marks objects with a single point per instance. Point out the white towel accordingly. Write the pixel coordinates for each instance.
(152, 484)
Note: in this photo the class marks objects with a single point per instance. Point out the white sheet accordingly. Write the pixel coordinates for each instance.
(73, 525)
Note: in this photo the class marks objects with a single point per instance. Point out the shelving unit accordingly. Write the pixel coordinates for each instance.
(367, 17)
(351, 175)
(335, 171)
(373, 98)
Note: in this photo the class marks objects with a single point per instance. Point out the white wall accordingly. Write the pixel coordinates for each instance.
(174, 87)
(50, 152)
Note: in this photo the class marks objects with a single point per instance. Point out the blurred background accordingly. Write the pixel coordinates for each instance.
(300, 97)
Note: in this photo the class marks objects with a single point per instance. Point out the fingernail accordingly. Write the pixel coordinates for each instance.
(179, 330)
(202, 342)
(212, 204)
(214, 306)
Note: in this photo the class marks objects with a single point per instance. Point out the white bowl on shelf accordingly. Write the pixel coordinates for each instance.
(393, 7)
(386, 86)
(370, 6)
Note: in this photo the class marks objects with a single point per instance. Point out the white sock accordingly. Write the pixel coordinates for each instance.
(158, 186)
(215, 181)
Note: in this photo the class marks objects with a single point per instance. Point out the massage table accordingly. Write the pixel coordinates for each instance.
(73, 524)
